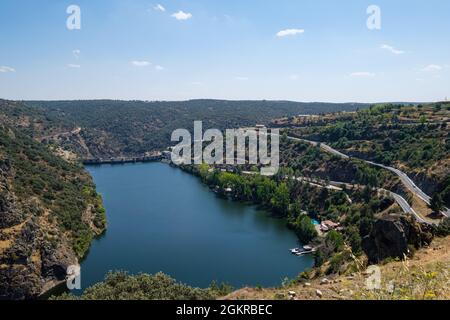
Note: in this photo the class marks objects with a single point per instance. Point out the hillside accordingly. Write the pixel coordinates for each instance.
(414, 139)
(131, 128)
(49, 213)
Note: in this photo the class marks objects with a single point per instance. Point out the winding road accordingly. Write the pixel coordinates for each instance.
(338, 186)
(407, 182)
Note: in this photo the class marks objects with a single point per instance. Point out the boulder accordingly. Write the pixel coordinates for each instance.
(392, 237)
(319, 293)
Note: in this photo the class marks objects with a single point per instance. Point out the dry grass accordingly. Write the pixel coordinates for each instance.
(15, 229)
(6, 244)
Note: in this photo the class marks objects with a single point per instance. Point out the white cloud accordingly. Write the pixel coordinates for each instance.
(180, 15)
(159, 68)
(392, 49)
(73, 66)
(159, 7)
(242, 78)
(137, 63)
(289, 32)
(4, 69)
(432, 68)
(363, 74)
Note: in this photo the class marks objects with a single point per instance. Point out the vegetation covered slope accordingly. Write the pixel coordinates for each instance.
(122, 286)
(49, 213)
(310, 161)
(415, 139)
(132, 128)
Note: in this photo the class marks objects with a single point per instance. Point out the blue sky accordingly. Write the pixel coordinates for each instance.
(227, 49)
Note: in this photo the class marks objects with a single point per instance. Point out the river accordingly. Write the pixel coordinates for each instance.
(163, 219)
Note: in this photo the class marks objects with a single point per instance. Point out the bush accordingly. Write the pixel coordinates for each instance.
(335, 239)
(304, 228)
(443, 229)
(122, 286)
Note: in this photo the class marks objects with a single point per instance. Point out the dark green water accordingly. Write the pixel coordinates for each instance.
(163, 219)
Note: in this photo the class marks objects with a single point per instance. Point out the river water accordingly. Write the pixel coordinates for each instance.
(163, 219)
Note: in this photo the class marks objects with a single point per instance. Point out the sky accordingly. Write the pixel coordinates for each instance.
(301, 50)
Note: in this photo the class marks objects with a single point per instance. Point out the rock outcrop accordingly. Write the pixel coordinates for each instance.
(9, 213)
(32, 260)
(394, 237)
(49, 213)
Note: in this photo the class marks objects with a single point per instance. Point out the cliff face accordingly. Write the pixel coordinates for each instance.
(32, 263)
(9, 214)
(394, 237)
(49, 213)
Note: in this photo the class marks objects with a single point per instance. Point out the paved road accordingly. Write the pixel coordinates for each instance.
(324, 146)
(404, 205)
(406, 181)
(409, 184)
(338, 186)
(407, 208)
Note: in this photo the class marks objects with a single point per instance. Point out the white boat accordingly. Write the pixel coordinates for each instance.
(303, 251)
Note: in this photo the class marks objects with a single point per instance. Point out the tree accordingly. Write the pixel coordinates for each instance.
(247, 192)
(264, 190)
(295, 210)
(335, 239)
(365, 226)
(387, 144)
(436, 203)
(304, 227)
(281, 199)
(423, 120)
(443, 229)
(203, 170)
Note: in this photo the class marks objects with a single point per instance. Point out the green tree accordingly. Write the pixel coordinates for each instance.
(436, 203)
(443, 229)
(423, 119)
(295, 209)
(281, 199)
(304, 227)
(335, 239)
(203, 170)
(264, 190)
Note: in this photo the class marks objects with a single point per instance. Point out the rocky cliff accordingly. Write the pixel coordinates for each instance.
(49, 213)
(395, 236)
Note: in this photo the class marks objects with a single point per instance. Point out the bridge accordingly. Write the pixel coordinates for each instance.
(122, 160)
